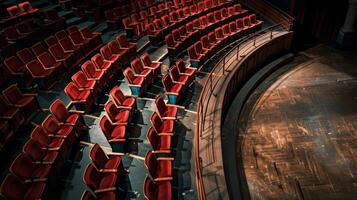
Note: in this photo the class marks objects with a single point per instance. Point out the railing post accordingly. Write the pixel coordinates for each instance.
(224, 64)
(254, 40)
(210, 77)
(271, 34)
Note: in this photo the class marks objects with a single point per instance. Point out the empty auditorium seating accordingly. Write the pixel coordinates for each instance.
(50, 63)
(157, 190)
(140, 70)
(117, 116)
(189, 71)
(68, 59)
(184, 80)
(109, 56)
(153, 65)
(92, 74)
(100, 182)
(164, 110)
(125, 44)
(160, 142)
(137, 84)
(83, 82)
(160, 168)
(115, 134)
(17, 69)
(44, 77)
(54, 129)
(120, 52)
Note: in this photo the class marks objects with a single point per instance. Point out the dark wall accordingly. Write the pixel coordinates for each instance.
(315, 20)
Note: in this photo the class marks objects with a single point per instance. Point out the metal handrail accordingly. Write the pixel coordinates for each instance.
(210, 85)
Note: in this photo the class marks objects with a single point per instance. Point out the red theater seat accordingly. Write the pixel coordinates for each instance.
(38, 49)
(54, 129)
(45, 77)
(94, 37)
(120, 52)
(58, 53)
(82, 81)
(183, 69)
(113, 133)
(172, 90)
(51, 40)
(100, 182)
(121, 101)
(125, 44)
(81, 98)
(196, 59)
(17, 69)
(11, 114)
(92, 74)
(26, 102)
(14, 11)
(117, 115)
(67, 117)
(50, 63)
(25, 55)
(162, 126)
(137, 84)
(140, 70)
(78, 39)
(160, 142)
(69, 47)
(157, 191)
(160, 168)
(105, 163)
(182, 79)
(153, 65)
(109, 56)
(105, 65)
(165, 111)
(27, 7)
(15, 189)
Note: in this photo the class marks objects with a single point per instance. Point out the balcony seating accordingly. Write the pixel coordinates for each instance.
(189, 71)
(160, 168)
(157, 190)
(14, 188)
(38, 49)
(105, 163)
(83, 82)
(27, 7)
(162, 126)
(81, 98)
(79, 40)
(69, 47)
(120, 52)
(184, 80)
(153, 65)
(172, 90)
(68, 117)
(95, 38)
(196, 59)
(27, 103)
(117, 116)
(92, 74)
(44, 77)
(123, 102)
(109, 56)
(50, 63)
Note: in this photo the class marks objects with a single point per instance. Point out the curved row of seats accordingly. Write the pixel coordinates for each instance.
(41, 65)
(209, 45)
(96, 72)
(34, 173)
(160, 27)
(181, 38)
(19, 12)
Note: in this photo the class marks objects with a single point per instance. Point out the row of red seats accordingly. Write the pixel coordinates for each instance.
(104, 176)
(205, 48)
(115, 15)
(142, 74)
(34, 173)
(181, 38)
(160, 27)
(19, 35)
(119, 112)
(158, 162)
(177, 81)
(15, 108)
(96, 72)
(41, 65)
(20, 10)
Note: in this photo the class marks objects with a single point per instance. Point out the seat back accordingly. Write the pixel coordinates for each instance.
(233, 27)
(196, 23)
(160, 105)
(175, 74)
(35, 68)
(13, 188)
(145, 58)
(34, 150)
(59, 110)
(50, 41)
(46, 59)
(151, 162)
(40, 136)
(238, 8)
(38, 49)
(98, 157)
(165, 21)
(92, 177)
(13, 10)
(98, 61)
(12, 94)
(86, 32)
(240, 23)
(72, 29)
(50, 125)
(57, 51)
(192, 52)
(123, 41)
(153, 137)
(23, 167)
(66, 44)
(167, 82)
(61, 35)
(76, 37)
(205, 42)
(13, 64)
(72, 91)
(111, 110)
(156, 122)
(170, 40)
(88, 68)
(129, 75)
(117, 95)
(253, 18)
(106, 127)
(176, 35)
(25, 6)
(25, 55)
(150, 189)
(106, 53)
(114, 46)
(80, 79)
(246, 21)
(137, 65)
(180, 65)
(226, 29)
(198, 47)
